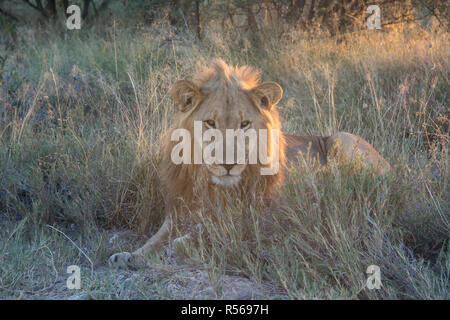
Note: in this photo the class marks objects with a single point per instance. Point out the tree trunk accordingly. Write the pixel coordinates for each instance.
(251, 20)
(198, 26)
(85, 11)
(51, 8)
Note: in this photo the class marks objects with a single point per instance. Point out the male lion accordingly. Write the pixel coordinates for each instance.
(224, 97)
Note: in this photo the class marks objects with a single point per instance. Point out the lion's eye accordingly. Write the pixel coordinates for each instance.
(245, 124)
(211, 123)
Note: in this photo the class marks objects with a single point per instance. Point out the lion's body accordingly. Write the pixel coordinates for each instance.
(233, 97)
(320, 149)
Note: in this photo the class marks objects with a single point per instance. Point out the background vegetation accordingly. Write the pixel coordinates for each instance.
(82, 111)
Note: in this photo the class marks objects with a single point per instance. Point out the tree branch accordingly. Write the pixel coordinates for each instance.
(38, 6)
(9, 15)
(431, 10)
(104, 5)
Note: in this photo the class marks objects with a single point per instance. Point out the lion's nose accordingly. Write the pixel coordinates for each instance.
(228, 167)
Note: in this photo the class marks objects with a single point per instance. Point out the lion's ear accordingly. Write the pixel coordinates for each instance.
(185, 94)
(268, 94)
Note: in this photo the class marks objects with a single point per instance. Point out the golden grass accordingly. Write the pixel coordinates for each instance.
(80, 130)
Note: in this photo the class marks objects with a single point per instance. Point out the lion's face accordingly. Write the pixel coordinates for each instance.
(228, 105)
(233, 111)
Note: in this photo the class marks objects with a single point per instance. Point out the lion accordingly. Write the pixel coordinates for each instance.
(223, 97)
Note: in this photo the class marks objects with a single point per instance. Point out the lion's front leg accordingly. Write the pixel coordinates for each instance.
(351, 147)
(137, 258)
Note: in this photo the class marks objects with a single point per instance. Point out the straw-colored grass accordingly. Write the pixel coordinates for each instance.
(80, 120)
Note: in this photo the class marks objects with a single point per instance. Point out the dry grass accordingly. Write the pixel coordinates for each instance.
(80, 121)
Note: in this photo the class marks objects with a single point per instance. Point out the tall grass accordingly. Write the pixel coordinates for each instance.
(81, 120)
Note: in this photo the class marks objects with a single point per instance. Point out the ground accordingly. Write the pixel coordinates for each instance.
(81, 115)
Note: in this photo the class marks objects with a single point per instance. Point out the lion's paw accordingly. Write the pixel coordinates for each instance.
(122, 260)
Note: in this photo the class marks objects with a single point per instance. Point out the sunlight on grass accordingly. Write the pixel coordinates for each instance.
(80, 131)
